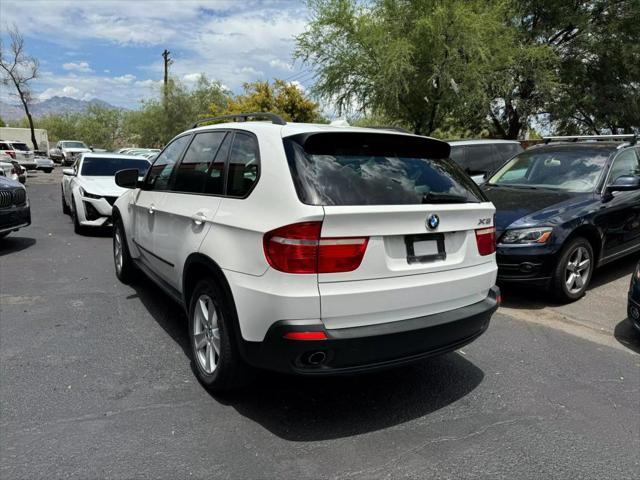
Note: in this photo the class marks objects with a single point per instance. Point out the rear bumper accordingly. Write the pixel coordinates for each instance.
(365, 348)
(13, 218)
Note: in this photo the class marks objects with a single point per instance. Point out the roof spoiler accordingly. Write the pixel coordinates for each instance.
(244, 117)
(631, 138)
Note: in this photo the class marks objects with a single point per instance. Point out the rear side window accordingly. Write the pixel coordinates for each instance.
(480, 159)
(507, 150)
(160, 172)
(243, 165)
(375, 169)
(4, 146)
(457, 155)
(191, 174)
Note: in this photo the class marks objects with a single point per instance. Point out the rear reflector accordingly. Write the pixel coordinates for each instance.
(298, 248)
(486, 240)
(305, 336)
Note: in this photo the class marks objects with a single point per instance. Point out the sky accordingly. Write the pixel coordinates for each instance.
(111, 50)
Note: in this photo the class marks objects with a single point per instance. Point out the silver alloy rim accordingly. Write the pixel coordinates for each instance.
(117, 250)
(577, 271)
(206, 334)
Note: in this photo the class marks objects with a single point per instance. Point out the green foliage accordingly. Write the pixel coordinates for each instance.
(417, 61)
(285, 99)
(159, 120)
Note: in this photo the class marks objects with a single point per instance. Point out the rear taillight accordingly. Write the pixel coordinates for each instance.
(11, 154)
(486, 240)
(299, 248)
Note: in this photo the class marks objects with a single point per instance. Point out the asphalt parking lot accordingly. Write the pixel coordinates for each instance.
(96, 382)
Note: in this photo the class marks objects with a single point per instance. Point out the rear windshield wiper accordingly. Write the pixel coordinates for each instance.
(443, 198)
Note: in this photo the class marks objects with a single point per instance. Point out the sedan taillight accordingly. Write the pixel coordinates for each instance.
(299, 248)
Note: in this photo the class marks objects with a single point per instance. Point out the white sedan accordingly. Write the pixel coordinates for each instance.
(89, 188)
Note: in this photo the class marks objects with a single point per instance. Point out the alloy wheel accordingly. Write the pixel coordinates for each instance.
(117, 249)
(206, 334)
(577, 270)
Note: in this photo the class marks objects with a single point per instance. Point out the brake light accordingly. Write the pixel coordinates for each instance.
(486, 240)
(298, 248)
(11, 154)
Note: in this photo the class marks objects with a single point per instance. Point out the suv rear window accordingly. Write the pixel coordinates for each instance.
(20, 146)
(354, 168)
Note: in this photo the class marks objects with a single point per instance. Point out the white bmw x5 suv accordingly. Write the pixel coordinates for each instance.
(310, 249)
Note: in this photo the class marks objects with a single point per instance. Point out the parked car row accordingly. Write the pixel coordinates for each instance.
(66, 152)
(318, 249)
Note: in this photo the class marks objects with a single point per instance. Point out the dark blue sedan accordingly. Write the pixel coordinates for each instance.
(633, 309)
(564, 208)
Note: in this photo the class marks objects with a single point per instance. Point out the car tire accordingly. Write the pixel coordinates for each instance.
(65, 207)
(126, 270)
(77, 228)
(573, 271)
(216, 359)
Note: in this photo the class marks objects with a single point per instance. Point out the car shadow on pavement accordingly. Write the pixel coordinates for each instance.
(627, 335)
(529, 298)
(316, 409)
(12, 244)
(167, 313)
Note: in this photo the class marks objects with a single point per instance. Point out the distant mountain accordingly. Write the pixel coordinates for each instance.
(11, 112)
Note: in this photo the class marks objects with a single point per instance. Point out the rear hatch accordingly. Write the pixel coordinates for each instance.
(426, 229)
(23, 153)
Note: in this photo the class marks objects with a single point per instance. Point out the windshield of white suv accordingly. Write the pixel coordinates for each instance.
(20, 146)
(375, 169)
(571, 169)
(107, 167)
(73, 145)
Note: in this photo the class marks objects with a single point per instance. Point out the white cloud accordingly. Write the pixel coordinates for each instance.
(82, 67)
(66, 91)
(191, 77)
(281, 65)
(124, 79)
(229, 41)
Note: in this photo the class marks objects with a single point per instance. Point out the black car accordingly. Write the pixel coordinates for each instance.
(564, 208)
(481, 157)
(633, 308)
(14, 207)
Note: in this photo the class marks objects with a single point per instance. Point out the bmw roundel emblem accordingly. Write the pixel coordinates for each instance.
(433, 221)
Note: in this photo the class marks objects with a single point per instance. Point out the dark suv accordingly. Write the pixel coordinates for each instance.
(481, 157)
(564, 208)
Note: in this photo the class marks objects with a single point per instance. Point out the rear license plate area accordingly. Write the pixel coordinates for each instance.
(424, 248)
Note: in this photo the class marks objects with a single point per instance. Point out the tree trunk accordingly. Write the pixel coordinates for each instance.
(29, 117)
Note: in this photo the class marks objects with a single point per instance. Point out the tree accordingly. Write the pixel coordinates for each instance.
(19, 69)
(600, 73)
(158, 121)
(286, 99)
(416, 61)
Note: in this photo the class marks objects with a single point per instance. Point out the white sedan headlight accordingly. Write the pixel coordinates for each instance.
(86, 194)
(527, 236)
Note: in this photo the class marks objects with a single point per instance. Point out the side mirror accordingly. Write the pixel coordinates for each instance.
(127, 178)
(68, 171)
(625, 183)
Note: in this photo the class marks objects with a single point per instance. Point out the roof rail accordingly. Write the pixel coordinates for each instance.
(243, 117)
(395, 129)
(631, 137)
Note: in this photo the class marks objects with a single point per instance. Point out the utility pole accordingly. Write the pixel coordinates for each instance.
(166, 55)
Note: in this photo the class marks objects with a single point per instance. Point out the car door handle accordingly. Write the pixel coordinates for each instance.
(199, 218)
(151, 210)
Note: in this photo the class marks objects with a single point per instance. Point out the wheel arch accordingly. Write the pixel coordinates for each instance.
(592, 235)
(198, 266)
